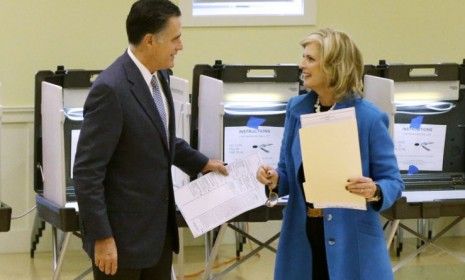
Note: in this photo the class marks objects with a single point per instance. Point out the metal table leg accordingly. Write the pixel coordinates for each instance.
(392, 231)
(59, 249)
(180, 256)
(427, 242)
(214, 252)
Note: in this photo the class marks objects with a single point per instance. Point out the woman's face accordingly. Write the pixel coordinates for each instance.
(312, 76)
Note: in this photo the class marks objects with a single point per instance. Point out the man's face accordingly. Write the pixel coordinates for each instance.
(166, 44)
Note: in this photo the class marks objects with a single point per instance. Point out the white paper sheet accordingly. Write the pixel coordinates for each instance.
(242, 140)
(214, 199)
(421, 147)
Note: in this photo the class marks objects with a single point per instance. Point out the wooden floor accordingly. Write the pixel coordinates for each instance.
(433, 263)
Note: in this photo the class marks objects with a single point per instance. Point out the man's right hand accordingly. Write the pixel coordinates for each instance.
(267, 175)
(106, 256)
(215, 166)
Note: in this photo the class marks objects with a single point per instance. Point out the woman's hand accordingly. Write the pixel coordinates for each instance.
(362, 186)
(267, 176)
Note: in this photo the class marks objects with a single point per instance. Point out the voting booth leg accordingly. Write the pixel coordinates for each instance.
(238, 239)
(59, 249)
(430, 228)
(261, 245)
(173, 274)
(37, 229)
(399, 241)
(60, 245)
(214, 252)
(210, 239)
(392, 231)
(428, 242)
(208, 244)
(179, 258)
(421, 224)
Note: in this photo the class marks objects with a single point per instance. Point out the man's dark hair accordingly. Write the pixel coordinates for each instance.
(149, 16)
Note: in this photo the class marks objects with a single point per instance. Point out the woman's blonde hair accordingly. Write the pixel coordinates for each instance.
(341, 61)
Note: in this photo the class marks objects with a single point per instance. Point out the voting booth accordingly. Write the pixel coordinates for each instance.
(238, 110)
(59, 101)
(5, 210)
(429, 136)
(241, 109)
(59, 98)
(429, 140)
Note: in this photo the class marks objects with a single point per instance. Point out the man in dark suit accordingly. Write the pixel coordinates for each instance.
(127, 145)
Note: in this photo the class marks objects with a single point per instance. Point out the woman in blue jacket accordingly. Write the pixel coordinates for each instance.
(334, 243)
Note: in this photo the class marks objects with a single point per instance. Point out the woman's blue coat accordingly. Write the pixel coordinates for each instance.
(355, 245)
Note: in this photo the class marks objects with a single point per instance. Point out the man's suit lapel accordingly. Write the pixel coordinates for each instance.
(142, 93)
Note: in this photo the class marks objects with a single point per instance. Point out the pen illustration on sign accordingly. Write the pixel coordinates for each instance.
(424, 145)
(262, 147)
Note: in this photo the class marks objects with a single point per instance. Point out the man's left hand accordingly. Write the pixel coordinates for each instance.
(215, 166)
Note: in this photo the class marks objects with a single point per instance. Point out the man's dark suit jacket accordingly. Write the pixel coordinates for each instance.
(122, 170)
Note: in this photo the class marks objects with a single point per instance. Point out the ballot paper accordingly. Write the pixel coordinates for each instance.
(331, 155)
(214, 199)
